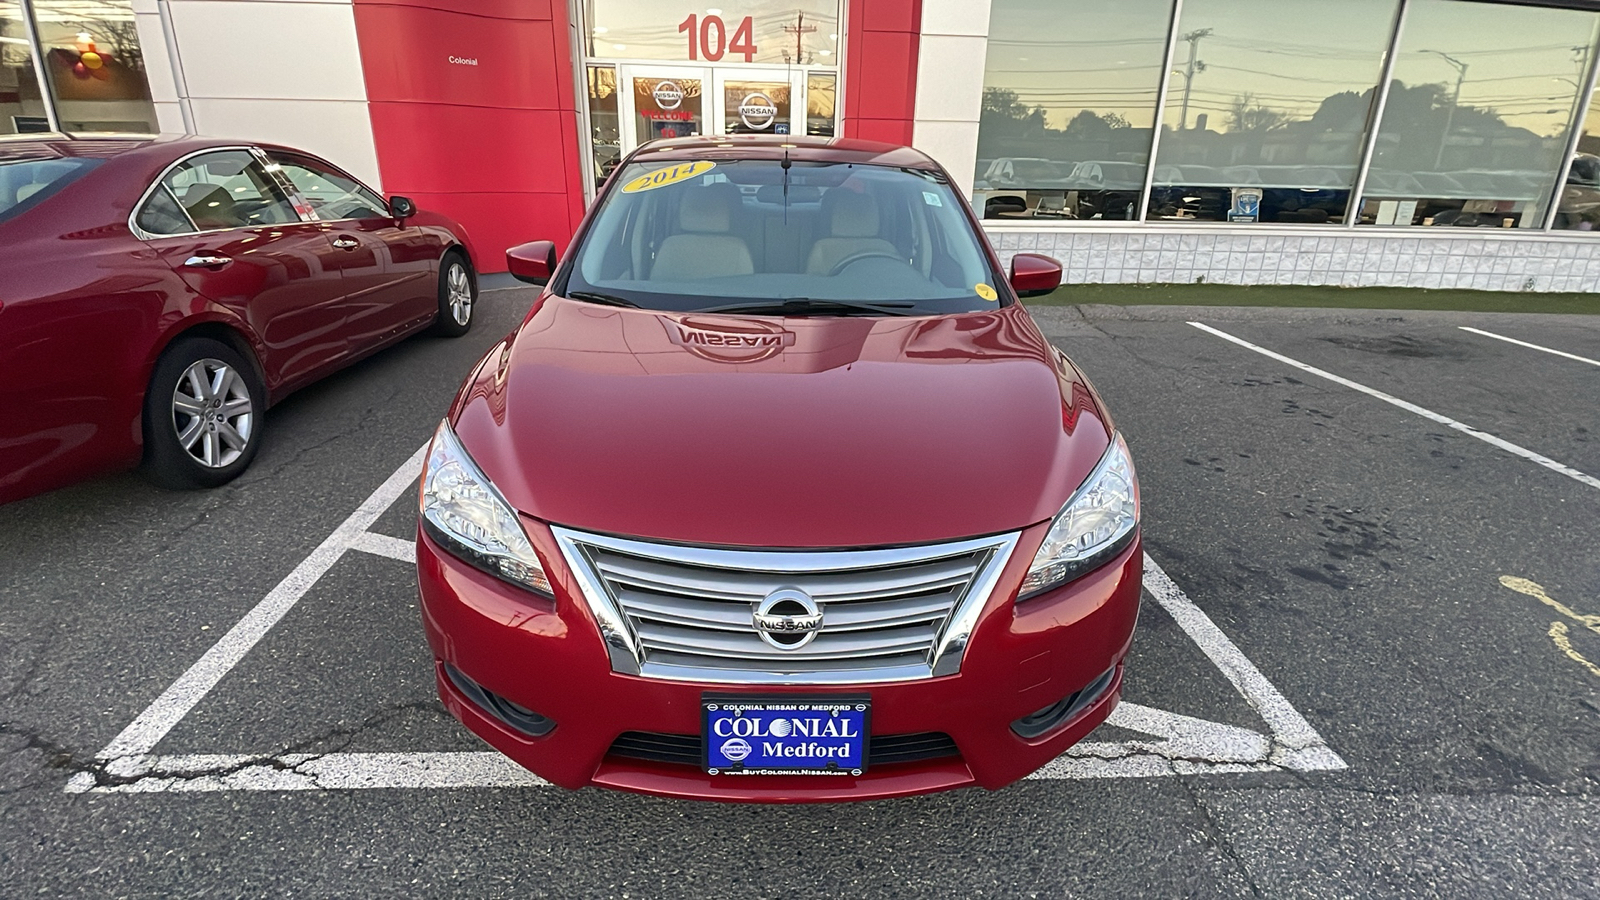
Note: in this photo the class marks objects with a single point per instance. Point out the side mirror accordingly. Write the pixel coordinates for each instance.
(1033, 275)
(402, 207)
(535, 261)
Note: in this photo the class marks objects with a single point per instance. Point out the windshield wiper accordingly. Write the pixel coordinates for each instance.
(800, 306)
(603, 299)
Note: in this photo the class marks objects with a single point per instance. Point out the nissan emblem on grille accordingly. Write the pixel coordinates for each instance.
(788, 619)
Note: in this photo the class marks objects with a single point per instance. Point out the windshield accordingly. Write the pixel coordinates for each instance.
(690, 236)
(25, 183)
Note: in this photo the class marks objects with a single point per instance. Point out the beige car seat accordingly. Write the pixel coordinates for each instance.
(703, 248)
(852, 220)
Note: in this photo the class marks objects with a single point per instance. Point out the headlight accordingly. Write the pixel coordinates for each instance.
(1095, 525)
(463, 512)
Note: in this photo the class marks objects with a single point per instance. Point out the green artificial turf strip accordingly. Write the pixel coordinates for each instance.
(1318, 296)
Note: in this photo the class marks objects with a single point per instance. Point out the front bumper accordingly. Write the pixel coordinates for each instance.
(548, 656)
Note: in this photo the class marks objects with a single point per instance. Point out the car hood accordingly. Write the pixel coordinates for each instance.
(780, 432)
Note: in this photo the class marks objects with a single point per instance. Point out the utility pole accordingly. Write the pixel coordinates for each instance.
(799, 29)
(1194, 67)
(1455, 101)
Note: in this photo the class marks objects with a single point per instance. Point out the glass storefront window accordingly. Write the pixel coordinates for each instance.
(22, 108)
(96, 70)
(667, 108)
(798, 32)
(605, 137)
(1579, 209)
(1267, 109)
(1479, 114)
(821, 100)
(755, 107)
(1069, 101)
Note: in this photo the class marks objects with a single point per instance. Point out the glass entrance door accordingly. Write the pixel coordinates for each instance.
(683, 101)
(757, 101)
(663, 102)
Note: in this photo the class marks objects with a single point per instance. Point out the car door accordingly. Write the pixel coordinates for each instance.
(224, 224)
(389, 268)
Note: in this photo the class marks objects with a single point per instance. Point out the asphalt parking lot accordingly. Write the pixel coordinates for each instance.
(1368, 663)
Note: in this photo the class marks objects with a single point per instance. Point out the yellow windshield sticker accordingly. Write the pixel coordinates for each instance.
(986, 292)
(670, 175)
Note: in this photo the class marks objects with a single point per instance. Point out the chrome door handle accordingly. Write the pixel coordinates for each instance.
(207, 262)
(345, 243)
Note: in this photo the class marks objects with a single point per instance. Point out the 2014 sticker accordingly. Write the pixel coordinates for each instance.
(649, 181)
(986, 292)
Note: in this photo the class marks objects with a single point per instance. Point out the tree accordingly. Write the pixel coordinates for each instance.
(1245, 114)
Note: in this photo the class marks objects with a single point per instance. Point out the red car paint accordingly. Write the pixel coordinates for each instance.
(89, 305)
(768, 432)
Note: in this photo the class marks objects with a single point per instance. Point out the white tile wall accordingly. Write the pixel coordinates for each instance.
(1229, 256)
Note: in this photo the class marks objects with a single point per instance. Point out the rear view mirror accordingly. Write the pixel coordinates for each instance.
(535, 261)
(402, 207)
(1033, 275)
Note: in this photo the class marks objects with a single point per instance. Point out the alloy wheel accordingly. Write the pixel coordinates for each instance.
(459, 291)
(212, 413)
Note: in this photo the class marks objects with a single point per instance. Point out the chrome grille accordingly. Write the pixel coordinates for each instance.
(670, 611)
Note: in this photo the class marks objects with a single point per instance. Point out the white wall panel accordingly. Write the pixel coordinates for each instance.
(950, 60)
(338, 130)
(157, 63)
(954, 145)
(169, 118)
(955, 17)
(265, 49)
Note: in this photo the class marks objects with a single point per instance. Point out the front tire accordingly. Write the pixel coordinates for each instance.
(202, 415)
(458, 296)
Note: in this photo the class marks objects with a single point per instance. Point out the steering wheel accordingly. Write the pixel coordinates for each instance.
(859, 255)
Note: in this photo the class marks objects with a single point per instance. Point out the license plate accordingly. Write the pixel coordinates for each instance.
(785, 735)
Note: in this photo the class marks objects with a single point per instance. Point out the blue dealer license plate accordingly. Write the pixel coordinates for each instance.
(786, 735)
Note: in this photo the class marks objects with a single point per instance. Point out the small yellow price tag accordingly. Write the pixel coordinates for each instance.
(670, 175)
(986, 292)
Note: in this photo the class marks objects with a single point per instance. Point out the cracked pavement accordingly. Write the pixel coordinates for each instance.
(1351, 550)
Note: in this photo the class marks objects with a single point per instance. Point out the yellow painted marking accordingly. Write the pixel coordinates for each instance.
(1524, 586)
(986, 292)
(649, 181)
(1560, 634)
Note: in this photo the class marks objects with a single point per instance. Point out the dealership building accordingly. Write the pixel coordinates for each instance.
(1426, 143)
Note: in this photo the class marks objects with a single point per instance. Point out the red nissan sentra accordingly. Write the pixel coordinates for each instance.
(778, 494)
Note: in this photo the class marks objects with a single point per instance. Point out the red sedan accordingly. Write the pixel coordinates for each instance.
(157, 296)
(778, 494)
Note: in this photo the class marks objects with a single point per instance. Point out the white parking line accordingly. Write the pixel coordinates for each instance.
(384, 545)
(1183, 745)
(1429, 414)
(1509, 340)
(142, 735)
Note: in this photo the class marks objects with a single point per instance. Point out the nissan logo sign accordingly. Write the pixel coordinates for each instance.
(757, 111)
(668, 95)
(787, 619)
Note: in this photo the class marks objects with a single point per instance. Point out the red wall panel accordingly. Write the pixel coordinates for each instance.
(491, 150)
(492, 145)
(881, 69)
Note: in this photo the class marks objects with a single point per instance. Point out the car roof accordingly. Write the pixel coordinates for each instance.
(106, 146)
(797, 147)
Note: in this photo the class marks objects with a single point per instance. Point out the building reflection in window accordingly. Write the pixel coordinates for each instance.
(604, 134)
(1069, 101)
(820, 100)
(1579, 209)
(1267, 109)
(1479, 114)
(22, 106)
(96, 70)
